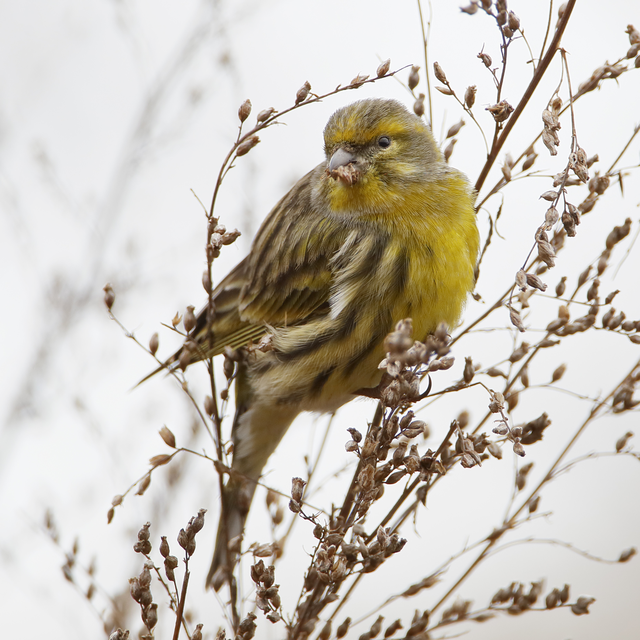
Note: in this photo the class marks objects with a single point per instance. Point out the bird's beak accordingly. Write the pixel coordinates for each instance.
(343, 166)
(341, 158)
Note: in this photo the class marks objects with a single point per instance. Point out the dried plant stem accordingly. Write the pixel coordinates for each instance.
(554, 542)
(183, 599)
(496, 535)
(529, 91)
(425, 44)
(636, 130)
(547, 31)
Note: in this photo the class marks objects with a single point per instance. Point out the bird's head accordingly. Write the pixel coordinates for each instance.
(375, 149)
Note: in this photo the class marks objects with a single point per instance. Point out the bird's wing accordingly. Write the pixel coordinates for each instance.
(285, 280)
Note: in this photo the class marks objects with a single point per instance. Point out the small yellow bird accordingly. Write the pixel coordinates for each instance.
(383, 229)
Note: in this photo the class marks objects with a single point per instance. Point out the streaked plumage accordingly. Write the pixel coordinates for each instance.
(375, 233)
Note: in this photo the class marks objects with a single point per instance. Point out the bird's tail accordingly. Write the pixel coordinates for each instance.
(257, 430)
(236, 501)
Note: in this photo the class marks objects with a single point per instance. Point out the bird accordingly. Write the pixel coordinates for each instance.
(381, 230)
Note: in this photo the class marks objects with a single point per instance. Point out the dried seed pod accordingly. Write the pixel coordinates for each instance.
(528, 161)
(497, 401)
(167, 436)
(607, 317)
(533, 504)
(535, 282)
(495, 450)
(516, 320)
(627, 554)
(341, 631)
(154, 343)
(439, 73)
(247, 145)
(383, 68)
(230, 237)
(470, 96)
(265, 114)
(303, 92)
(621, 443)
(634, 34)
(449, 149)
(358, 81)
(470, 9)
(297, 487)
(325, 633)
(561, 286)
(520, 352)
(109, 295)
(469, 370)
(418, 105)
(245, 110)
(414, 77)
(558, 373)
(150, 616)
(500, 111)
(546, 253)
(486, 59)
(159, 460)
(189, 319)
(581, 606)
(454, 129)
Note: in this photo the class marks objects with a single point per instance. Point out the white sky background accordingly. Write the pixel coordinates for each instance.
(110, 114)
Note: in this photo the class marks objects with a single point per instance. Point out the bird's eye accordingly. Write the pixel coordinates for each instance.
(384, 142)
